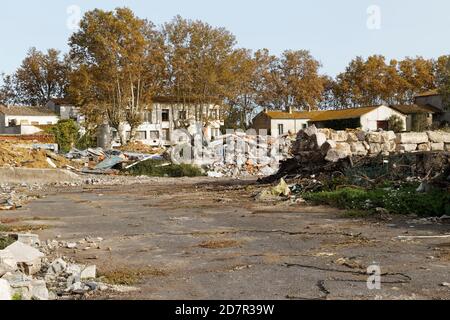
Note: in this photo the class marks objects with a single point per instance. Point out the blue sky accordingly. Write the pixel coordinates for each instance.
(334, 31)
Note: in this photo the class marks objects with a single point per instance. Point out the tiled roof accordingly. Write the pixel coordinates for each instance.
(343, 114)
(299, 115)
(429, 93)
(26, 111)
(414, 109)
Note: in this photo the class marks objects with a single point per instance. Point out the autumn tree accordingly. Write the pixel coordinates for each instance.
(199, 61)
(442, 68)
(118, 63)
(40, 78)
(7, 91)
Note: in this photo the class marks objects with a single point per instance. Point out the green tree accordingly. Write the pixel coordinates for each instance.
(66, 133)
(396, 124)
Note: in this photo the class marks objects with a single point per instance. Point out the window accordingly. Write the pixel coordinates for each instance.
(215, 114)
(166, 134)
(141, 135)
(215, 133)
(304, 126)
(154, 135)
(280, 129)
(182, 115)
(165, 115)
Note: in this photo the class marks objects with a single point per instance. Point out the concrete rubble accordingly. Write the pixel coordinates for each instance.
(240, 155)
(27, 274)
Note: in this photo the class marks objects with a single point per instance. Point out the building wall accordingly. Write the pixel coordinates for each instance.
(152, 132)
(261, 122)
(369, 121)
(289, 125)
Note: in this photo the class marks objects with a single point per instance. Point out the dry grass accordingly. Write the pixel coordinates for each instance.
(22, 228)
(219, 244)
(128, 277)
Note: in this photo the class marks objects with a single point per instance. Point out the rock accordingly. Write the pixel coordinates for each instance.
(437, 146)
(373, 137)
(361, 135)
(319, 139)
(358, 149)
(7, 262)
(29, 239)
(326, 132)
(213, 174)
(57, 266)
(5, 290)
(28, 258)
(90, 272)
(439, 136)
(334, 155)
(352, 137)
(339, 136)
(406, 147)
(388, 147)
(388, 136)
(412, 138)
(39, 290)
(20, 284)
(375, 148)
(310, 131)
(424, 147)
(343, 146)
(447, 147)
(74, 269)
(327, 146)
(71, 245)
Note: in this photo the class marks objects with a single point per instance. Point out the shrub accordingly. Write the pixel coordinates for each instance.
(154, 168)
(66, 134)
(402, 200)
(396, 123)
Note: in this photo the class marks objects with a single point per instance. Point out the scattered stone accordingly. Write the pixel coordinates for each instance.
(7, 262)
(90, 272)
(71, 245)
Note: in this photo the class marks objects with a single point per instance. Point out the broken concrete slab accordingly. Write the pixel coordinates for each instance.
(39, 290)
(5, 290)
(26, 175)
(7, 262)
(412, 138)
(439, 136)
(57, 266)
(28, 258)
(90, 272)
(29, 239)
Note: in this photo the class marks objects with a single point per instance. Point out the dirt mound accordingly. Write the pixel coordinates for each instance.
(139, 147)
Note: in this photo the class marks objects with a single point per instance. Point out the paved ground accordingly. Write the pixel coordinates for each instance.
(212, 240)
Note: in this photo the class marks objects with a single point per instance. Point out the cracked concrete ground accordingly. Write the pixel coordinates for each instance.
(214, 241)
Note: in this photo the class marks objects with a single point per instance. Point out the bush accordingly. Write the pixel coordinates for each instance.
(154, 168)
(402, 200)
(66, 134)
(396, 124)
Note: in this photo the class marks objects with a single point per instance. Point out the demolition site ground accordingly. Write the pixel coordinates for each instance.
(200, 238)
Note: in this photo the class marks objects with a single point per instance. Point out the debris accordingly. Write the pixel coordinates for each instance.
(28, 258)
(423, 237)
(89, 272)
(29, 239)
(7, 262)
(5, 290)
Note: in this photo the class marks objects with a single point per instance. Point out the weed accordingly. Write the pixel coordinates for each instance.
(156, 168)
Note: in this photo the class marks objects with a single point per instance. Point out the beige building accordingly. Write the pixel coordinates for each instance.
(435, 100)
(278, 123)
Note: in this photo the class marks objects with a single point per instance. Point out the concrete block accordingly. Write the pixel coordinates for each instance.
(7, 262)
(90, 272)
(339, 136)
(29, 239)
(406, 147)
(373, 137)
(439, 136)
(438, 146)
(28, 258)
(358, 149)
(412, 138)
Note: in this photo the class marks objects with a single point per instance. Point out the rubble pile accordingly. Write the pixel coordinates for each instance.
(26, 273)
(27, 154)
(242, 155)
(139, 147)
(325, 152)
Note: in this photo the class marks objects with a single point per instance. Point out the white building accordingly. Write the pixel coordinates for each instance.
(165, 117)
(366, 118)
(278, 123)
(25, 120)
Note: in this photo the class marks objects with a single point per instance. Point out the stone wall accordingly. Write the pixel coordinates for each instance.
(336, 145)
